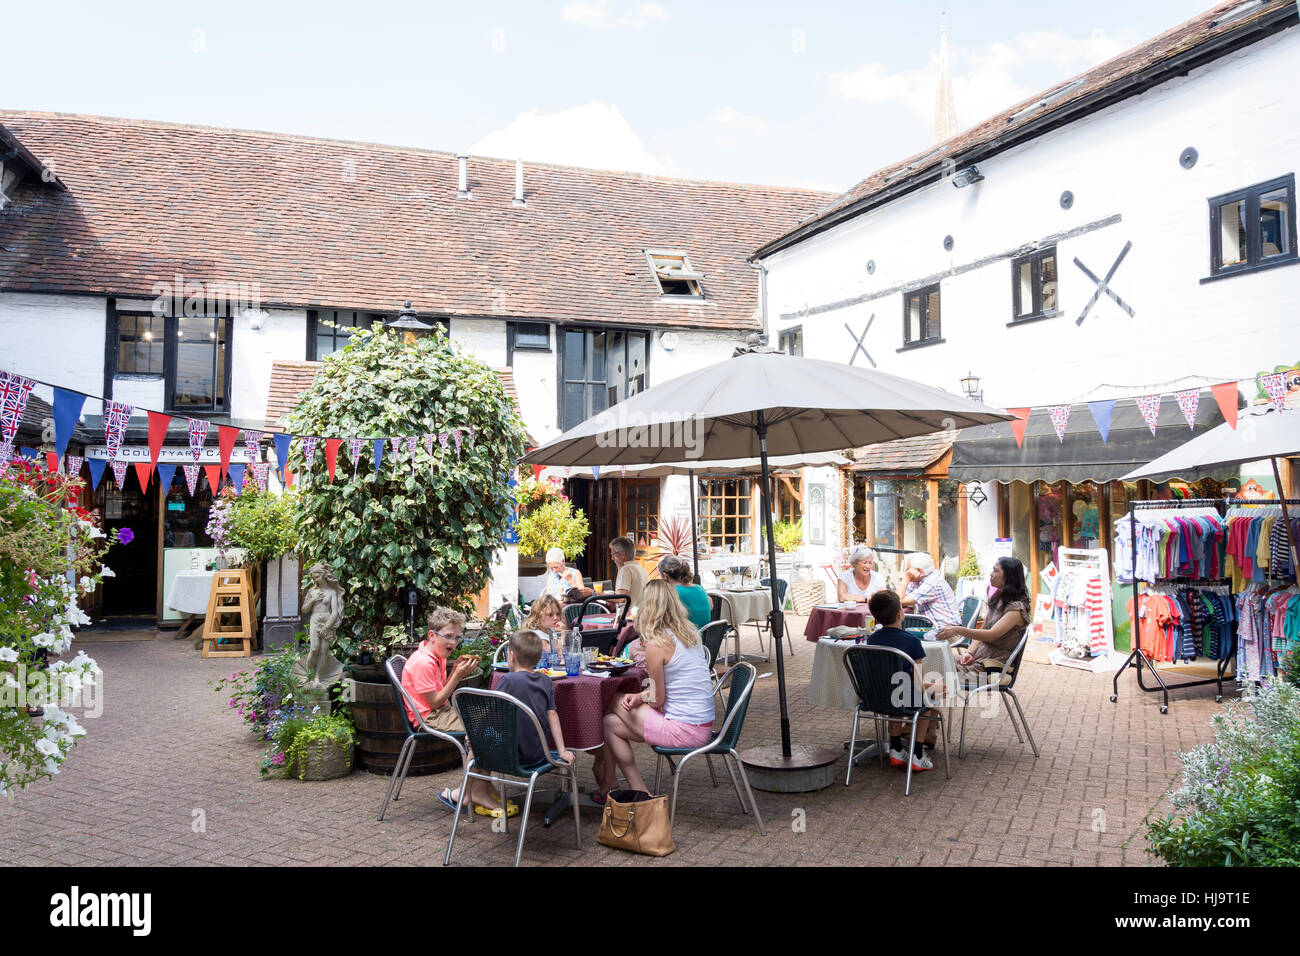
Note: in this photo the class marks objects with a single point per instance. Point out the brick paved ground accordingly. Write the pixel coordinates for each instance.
(166, 747)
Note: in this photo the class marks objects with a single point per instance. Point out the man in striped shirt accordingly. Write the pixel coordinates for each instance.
(928, 593)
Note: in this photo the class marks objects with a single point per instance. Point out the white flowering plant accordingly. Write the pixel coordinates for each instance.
(51, 555)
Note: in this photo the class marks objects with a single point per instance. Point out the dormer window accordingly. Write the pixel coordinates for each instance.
(673, 272)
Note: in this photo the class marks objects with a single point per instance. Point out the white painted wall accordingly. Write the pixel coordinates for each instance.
(283, 335)
(1124, 160)
(1245, 125)
(55, 338)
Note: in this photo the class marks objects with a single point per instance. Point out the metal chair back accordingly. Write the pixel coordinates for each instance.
(782, 589)
(879, 676)
(742, 677)
(715, 607)
(572, 613)
(918, 622)
(713, 636)
(506, 614)
(491, 720)
(395, 666)
(970, 611)
(1012, 669)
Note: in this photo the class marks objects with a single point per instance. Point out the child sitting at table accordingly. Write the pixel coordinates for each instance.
(887, 611)
(535, 690)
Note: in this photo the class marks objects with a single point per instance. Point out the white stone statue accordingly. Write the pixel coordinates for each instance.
(319, 668)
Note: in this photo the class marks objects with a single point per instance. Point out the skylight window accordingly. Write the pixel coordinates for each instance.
(673, 272)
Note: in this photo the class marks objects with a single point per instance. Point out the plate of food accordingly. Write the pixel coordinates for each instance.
(609, 665)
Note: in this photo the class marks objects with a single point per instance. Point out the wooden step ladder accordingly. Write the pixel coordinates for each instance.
(230, 616)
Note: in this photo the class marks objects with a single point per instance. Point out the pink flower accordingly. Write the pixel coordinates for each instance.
(278, 759)
(232, 702)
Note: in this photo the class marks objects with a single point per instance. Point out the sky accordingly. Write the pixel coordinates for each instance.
(811, 94)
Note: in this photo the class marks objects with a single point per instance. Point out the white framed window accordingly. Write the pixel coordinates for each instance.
(673, 271)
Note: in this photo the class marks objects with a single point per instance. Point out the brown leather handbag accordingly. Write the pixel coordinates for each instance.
(635, 821)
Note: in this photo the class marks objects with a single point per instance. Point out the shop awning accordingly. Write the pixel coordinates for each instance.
(989, 452)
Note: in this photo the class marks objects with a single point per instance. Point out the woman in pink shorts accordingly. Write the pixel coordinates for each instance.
(676, 707)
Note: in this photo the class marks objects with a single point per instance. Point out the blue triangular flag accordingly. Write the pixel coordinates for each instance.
(595, 472)
(29, 453)
(67, 411)
(96, 466)
(379, 456)
(165, 475)
(282, 452)
(1101, 413)
(236, 475)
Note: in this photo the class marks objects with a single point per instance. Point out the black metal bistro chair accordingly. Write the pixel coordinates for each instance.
(877, 674)
(603, 638)
(764, 628)
(1002, 681)
(491, 728)
(416, 732)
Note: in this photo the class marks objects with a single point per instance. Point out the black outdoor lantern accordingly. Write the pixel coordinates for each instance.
(970, 386)
(406, 321)
(412, 599)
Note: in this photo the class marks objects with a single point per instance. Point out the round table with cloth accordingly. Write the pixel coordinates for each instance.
(743, 606)
(829, 685)
(189, 594)
(581, 702)
(824, 617)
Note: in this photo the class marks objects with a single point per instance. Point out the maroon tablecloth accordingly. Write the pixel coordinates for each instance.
(822, 620)
(581, 702)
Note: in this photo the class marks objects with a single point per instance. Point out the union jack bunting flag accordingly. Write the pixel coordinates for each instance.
(260, 471)
(354, 449)
(1060, 418)
(1189, 400)
(116, 415)
(473, 432)
(6, 455)
(14, 390)
(119, 473)
(191, 477)
(396, 444)
(410, 450)
(1275, 384)
(455, 434)
(198, 435)
(442, 440)
(309, 450)
(73, 464)
(253, 442)
(1149, 405)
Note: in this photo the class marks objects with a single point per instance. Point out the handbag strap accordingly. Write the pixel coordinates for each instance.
(627, 826)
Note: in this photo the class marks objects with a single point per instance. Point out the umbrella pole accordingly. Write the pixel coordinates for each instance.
(695, 526)
(778, 616)
(1286, 516)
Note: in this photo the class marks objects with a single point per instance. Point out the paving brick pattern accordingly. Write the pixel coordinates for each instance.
(166, 747)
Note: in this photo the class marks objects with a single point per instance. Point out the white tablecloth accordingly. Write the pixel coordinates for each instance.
(829, 685)
(741, 607)
(189, 592)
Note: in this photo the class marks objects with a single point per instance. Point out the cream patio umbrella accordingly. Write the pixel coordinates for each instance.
(756, 404)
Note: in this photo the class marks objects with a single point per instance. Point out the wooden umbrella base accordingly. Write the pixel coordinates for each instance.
(805, 770)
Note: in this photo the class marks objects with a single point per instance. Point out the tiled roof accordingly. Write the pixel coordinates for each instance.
(1118, 77)
(904, 456)
(358, 226)
(290, 379)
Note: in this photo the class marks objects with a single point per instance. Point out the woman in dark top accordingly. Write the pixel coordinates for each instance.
(1005, 623)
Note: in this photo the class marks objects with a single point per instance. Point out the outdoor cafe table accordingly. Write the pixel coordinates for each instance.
(189, 594)
(826, 616)
(830, 687)
(744, 606)
(581, 702)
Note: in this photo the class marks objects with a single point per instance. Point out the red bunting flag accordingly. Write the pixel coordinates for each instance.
(158, 423)
(214, 477)
(52, 462)
(288, 477)
(332, 454)
(227, 435)
(1018, 424)
(1226, 397)
(143, 471)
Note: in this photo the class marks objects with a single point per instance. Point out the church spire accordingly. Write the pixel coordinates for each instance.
(945, 109)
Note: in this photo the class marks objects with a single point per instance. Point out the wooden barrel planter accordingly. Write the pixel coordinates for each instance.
(381, 731)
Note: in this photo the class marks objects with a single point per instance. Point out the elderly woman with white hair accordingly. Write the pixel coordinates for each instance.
(559, 577)
(861, 580)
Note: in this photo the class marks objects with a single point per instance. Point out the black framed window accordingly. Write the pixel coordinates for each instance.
(790, 341)
(526, 337)
(1033, 286)
(921, 316)
(599, 369)
(328, 330)
(198, 377)
(141, 343)
(1253, 228)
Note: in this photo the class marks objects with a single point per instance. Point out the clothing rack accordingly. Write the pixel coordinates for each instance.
(1137, 658)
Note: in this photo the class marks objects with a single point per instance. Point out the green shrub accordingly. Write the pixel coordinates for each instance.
(788, 535)
(970, 565)
(1240, 800)
(433, 526)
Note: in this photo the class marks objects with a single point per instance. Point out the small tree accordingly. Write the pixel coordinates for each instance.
(433, 525)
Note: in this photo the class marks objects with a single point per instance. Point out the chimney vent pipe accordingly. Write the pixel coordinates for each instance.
(462, 187)
(519, 183)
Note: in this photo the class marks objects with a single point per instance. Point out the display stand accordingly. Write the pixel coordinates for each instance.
(1137, 658)
(1093, 566)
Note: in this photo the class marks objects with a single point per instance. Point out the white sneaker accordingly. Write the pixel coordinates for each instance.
(898, 758)
(921, 763)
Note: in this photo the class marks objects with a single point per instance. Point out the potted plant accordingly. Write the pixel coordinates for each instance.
(262, 693)
(311, 747)
(547, 519)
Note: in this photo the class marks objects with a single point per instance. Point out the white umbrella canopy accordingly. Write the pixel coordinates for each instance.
(757, 404)
(807, 405)
(739, 466)
(1262, 432)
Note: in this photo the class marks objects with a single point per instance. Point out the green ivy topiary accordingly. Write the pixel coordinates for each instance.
(432, 527)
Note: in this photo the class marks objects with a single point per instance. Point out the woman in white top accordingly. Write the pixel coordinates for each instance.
(861, 580)
(680, 716)
(559, 578)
